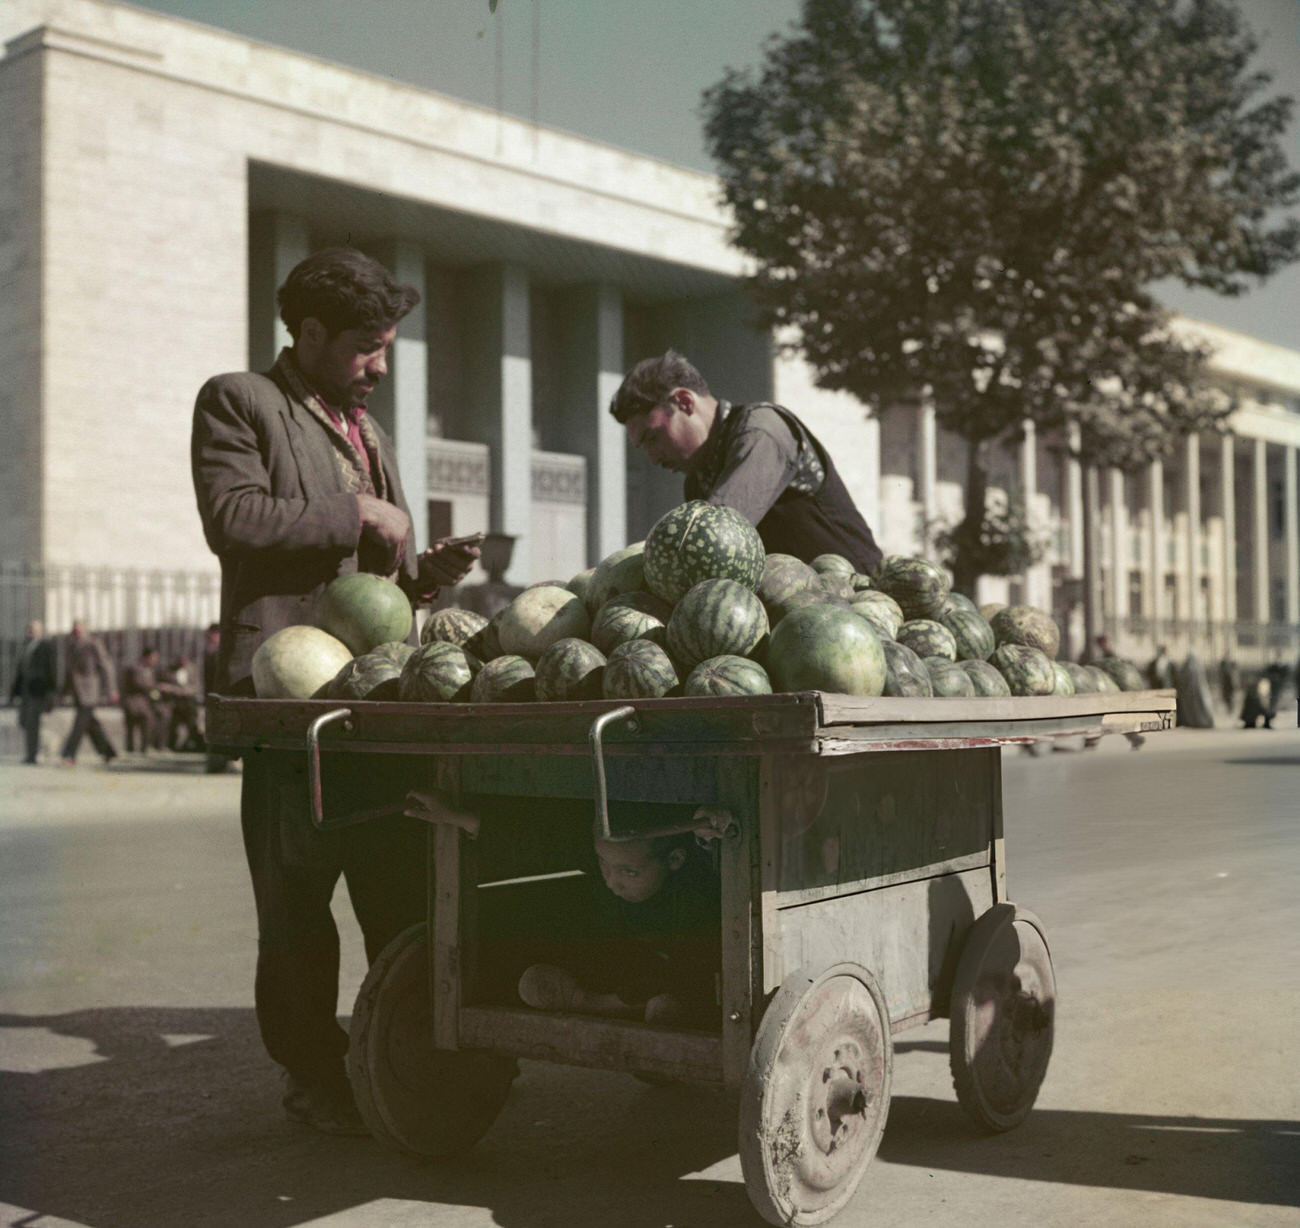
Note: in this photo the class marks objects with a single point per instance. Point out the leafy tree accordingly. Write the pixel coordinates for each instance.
(970, 198)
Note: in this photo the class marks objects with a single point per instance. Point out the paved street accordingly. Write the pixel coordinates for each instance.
(134, 1092)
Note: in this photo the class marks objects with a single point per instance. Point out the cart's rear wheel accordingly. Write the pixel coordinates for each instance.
(1002, 1017)
(816, 1094)
(427, 1101)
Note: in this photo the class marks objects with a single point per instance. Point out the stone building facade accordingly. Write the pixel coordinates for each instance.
(158, 179)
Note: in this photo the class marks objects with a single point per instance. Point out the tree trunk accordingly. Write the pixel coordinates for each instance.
(965, 566)
(1091, 566)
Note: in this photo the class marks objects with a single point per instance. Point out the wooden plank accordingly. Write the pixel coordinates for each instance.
(741, 925)
(864, 710)
(812, 895)
(446, 936)
(582, 1040)
(769, 820)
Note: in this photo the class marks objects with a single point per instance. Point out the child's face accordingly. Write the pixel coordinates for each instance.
(631, 869)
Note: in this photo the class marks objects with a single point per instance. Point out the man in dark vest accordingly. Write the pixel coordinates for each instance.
(759, 459)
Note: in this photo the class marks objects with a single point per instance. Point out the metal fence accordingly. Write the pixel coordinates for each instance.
(124, 608)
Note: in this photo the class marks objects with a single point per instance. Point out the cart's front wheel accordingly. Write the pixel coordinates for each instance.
(412, 1096)
(1002, 1017)
(816, 1094)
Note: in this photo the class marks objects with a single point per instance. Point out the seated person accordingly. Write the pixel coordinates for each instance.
(657, 954)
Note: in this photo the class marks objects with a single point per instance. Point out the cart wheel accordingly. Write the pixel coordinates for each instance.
(427, 1101)
(816, 1094)
(1002, 1017)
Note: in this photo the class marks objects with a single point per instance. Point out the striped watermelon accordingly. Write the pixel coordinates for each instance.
(452, 626)
(985, 679)
(713, 618)
(369, 676)
(397, 651)
(838, 583)
(580, 585)
(1064, 684)
(701, 541)
(538, 617)
(973, 636)
(816, 595)
(486, 644)
(638, 669)
(508, 679)
(861, 583)
(927, 638)
(570, 669)
(1023, 624)
(948, 678)
(621, 572)
(728, 675)
(958, 601)
(438, 672)
(1028, 671)
(906, 675)
(630, 616)
(990, 608)
(825, 563)
(783, 576)
(1126, 675)
(880, 610)
(919, 587)
(826, 648)
(1104, 684)
(1084, 682)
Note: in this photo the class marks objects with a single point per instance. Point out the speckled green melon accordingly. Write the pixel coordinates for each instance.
(826, 648)
(973, 636)
(296, 662)
(507, 679)
(570, 669)
(880, 610)
(1024, 624)
(861, 583)
(728, 675)
(826, 563)
(630, 616)
(1064, 684)
(919, 587)
(620, 572)
(1126, 675)
(949, 679)
(639, 669)
(438, 672)
(363, 611)
(715, 617)
(989, 608)
(370, 676)
(701, 541)
(838, 583)
(1028, 670)
(538, 617)
(927, 638)
(452, 626)
(985, 679)
(906, 676)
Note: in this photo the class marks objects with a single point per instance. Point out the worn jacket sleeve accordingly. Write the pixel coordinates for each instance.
(240, 513)
(757, 469)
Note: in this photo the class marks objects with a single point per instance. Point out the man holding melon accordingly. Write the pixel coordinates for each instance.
(296, 486)
(759, 459)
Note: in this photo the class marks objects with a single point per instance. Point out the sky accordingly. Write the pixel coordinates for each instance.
(630, 73)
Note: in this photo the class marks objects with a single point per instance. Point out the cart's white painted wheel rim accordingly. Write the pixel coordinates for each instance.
(816, 1095)
(1003, 1015)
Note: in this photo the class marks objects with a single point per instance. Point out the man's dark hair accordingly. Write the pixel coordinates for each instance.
(342, 288)
(649, 383)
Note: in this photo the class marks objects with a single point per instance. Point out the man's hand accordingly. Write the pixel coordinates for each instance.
(444, 563)
(386, 524)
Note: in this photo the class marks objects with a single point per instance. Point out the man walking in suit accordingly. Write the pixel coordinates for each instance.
(33, 687)
(296, 484)
(140, 696)
(91, 680)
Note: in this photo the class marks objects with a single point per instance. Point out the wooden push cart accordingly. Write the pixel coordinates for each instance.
(862, 876)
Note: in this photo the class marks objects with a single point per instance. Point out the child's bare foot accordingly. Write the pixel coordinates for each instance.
(664, 1009)
(545, 987)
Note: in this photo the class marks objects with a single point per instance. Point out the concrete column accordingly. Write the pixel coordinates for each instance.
(498, 376)
(591, 371)
(1118, 546)
(1228, 497)
(927, 469)
(276, 242)
(870, 491)
(401, 402)
(1035, 589)
(1259, 533)
(1156, 569)
(1192, 508)
(1077, 642)
(1292, 529)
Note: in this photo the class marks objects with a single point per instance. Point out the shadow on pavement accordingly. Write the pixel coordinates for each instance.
(172, 765)
(1200, 1157)
(1274, 761)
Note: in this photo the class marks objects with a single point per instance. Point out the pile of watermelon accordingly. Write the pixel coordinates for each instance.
(698, 608)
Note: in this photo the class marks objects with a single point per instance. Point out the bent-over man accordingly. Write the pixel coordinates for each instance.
(296, 484)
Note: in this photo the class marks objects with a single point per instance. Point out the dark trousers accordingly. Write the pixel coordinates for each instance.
(30, 712)
(86, 722)
(141, 724)
(294, 869)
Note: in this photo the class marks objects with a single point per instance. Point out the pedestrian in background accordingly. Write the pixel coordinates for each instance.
(90, 681)
(33, 687)
(1229, 683)
(180, 704)
(140, 697)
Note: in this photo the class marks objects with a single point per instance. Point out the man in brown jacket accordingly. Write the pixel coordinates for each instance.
(91, 680)
(296, 485)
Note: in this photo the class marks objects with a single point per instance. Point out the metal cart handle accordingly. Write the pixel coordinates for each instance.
(313, 763)
(625, 713)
